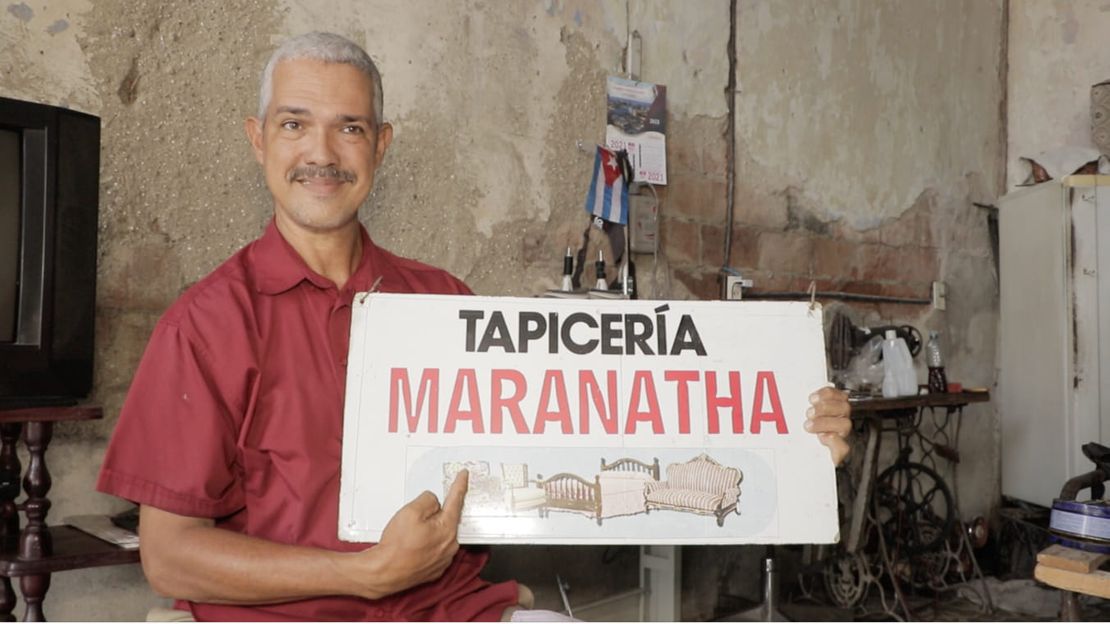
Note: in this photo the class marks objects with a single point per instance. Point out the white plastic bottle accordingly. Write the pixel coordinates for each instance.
(899, 378)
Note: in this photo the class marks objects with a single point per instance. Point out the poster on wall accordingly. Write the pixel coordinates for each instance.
(636, 121)
(588, 421)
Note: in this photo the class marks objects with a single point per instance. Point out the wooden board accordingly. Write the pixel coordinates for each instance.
(1063, 558)
(1095, 583)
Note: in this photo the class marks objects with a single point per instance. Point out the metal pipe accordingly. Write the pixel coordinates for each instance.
(845, 296)
(608, 599)
(730, 137)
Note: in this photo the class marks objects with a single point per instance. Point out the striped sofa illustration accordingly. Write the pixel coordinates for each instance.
(700, 486)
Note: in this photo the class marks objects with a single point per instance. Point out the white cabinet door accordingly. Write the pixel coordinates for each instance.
(1083, 328)
(1103, 271)
(1034, 358)
(1054, 351)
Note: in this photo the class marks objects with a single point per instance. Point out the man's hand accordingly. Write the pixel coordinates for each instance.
(420, 541)
(828, 417)
(191, 559)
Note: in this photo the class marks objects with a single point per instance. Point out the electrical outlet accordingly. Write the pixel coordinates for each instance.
(734, 287)
(940, 296)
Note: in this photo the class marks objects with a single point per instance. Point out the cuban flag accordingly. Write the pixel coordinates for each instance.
(608, 196)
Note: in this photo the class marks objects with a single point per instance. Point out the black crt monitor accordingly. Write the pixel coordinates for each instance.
(49, 200)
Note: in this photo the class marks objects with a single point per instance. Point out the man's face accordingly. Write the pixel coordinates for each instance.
(318, 146)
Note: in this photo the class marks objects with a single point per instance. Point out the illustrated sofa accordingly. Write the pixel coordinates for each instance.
(701, 486)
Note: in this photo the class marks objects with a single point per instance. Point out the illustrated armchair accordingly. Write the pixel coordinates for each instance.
(700, 486)
(520, 493)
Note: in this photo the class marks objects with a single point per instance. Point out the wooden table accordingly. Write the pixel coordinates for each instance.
(33, 551)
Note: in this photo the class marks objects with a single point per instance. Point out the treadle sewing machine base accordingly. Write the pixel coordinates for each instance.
(906, 543)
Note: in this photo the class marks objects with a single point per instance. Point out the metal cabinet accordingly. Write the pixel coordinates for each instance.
(1054, 351)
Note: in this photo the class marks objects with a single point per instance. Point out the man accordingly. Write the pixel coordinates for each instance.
(230, 436)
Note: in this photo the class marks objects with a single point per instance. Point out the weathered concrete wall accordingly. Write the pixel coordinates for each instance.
(490, 102)
(862, 138)
(1057, 51)
(864, 133)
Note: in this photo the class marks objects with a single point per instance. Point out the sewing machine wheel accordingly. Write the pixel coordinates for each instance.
(929, 568)
(846, 579)
(913, 508)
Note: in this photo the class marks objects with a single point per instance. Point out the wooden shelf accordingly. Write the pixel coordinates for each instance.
(30, 550)
(73, 549)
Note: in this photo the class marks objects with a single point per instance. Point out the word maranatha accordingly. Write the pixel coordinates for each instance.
(597, 402)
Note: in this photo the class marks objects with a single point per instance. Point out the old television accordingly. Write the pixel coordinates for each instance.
(49, 179)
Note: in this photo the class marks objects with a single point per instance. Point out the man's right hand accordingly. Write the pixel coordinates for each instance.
(420, 541)
(190, 559)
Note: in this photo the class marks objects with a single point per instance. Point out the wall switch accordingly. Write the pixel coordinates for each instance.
(940, 296)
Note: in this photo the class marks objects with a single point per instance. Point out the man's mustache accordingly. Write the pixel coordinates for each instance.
(305, 172)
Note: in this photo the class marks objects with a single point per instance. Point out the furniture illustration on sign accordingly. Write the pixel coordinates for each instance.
(624, 481)
(569, 492)
(34, 551)
(701, 486)
(484, 494)
(520, 493)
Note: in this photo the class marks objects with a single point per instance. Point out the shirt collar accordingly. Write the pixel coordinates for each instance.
(278, 267)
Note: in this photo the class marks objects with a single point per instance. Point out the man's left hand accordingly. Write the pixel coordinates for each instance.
(829, 417)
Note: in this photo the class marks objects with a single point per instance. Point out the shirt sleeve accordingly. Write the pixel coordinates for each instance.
(175, 444)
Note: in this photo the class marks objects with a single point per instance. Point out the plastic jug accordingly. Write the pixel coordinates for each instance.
(899, 378)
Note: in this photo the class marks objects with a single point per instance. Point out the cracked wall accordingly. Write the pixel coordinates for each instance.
(490, 102)
(857, 150)
(1057, 52)
(864, 141)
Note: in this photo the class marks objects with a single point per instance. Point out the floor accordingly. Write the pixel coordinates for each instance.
(1013, 601)
(1008, 563)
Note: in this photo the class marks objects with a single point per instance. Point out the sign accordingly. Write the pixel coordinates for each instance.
(588, 421)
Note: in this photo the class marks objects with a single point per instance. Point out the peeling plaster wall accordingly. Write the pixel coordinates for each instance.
(865, 131)
(42, 57)
(485, 177)
(1057, 51)
(862, 106)
(861, 136)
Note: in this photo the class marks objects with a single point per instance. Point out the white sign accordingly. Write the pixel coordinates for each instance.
(588, 421)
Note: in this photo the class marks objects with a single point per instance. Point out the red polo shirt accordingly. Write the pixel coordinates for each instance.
(236, 413)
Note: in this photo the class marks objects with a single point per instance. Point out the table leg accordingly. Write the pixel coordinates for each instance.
(7, 600)
(1069, 607)
(35, 542)
(863, 493)
(10, 471)
(33, 587)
